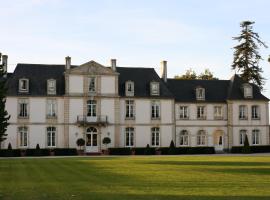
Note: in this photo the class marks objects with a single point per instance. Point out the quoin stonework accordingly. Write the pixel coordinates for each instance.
(54, 105)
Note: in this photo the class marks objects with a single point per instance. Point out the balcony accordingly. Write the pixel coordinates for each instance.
(83, 120)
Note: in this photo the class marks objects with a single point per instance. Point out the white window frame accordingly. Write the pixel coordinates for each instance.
(201, 138)
(91, 108)
(23, 136)
(200, 93)
(130, 111)
(183, 138)
(51, 86)
(129, 86)
(154, 89)
(51, 136)
(243, 112)
(183, 112)
(242, 136)
(201, 113)
(256, 137)
(248, 90)
(218, 112)
(92, 84)
(129, 137)
(255, 112)
(23, 111)
(51, 108)
(21, 88)
(155, 136)
(155, 110)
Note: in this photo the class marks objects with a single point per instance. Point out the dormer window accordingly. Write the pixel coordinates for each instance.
(154, 88)
(92, 84)
(51, 86)
(200, 93)
(23, 85)
(129, 88)
(247, 88)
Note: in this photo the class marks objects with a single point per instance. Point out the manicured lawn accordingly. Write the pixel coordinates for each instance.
(117, 178)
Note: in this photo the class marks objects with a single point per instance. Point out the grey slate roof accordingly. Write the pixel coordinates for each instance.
(142, 77)
(180, 90)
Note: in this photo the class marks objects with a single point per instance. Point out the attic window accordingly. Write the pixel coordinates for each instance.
(154, 88)
(23, 85)
(200, 93)
(51, 86)
(129, 88)
(247, 88)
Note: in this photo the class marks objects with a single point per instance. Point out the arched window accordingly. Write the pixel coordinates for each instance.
(183, 138)
(155, 136)
(201, 138)
(129, 137)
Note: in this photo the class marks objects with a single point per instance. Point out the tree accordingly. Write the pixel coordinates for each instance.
(246, 55)
(80, 142)
(191, 75)
(246, 147)
(4, 117)
(106, 141)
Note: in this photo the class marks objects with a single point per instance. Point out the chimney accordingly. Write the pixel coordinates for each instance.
(164, 70)
(68, 62)
(5, 63)
(113, 64)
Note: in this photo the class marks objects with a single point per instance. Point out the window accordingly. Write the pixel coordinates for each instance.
(129, 137)
(242, 112)
(183, 138)
(155, 136)
(24, 85)
(91, 108)
(201, 138)
(51, 86)
(255, 112)
(92, 84)
(129, 88)
(23, 108)
(130, 109)
(200, 93)
(51, 133)
(154, 88)
(248, 93)
(218, 112)
(255, 137)
(242, 136)
(155, 110)
(51, 108)
(23, 135)
(183, 112)
(201, 112)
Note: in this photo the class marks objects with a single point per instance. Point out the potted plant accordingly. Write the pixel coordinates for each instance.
(80, 143)
(106, 141)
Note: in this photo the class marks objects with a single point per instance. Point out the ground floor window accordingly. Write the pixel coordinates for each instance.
(183, 138)
(23, 134)
(129, 137)
(155, 136)
(51, 132)
(242, 136)
(255, 136)
(201, 138)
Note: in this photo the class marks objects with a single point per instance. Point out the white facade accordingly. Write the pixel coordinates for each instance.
(93, 109)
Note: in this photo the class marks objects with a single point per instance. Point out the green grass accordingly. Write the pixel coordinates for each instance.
(117, 178)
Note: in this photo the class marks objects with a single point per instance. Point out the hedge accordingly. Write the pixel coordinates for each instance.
(65, 152)
(253, 149)
(120, 151)
(37, 152)
(10, 152)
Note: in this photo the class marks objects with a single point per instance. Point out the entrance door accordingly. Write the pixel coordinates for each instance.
(91, 145)
(219, 140)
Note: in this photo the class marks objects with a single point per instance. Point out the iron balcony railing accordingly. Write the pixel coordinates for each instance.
(84, 119)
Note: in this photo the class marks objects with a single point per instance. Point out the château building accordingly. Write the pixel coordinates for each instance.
(55, 105)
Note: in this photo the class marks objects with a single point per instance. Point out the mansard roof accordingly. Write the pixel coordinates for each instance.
(142, 77)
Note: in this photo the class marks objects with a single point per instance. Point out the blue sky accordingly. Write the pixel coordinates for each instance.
(186, 33)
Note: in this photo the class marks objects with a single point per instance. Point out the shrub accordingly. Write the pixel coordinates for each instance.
(147, 150)
(246, 148)
(253, 149)
(172, 149)
(9, 146)
(65, 152)
(106, 141)
(37, 152)
(120, 151)
(10, 152)
(80, 142)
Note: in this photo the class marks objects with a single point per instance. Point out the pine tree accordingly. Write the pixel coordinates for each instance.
(4, 117)
(246, 55)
